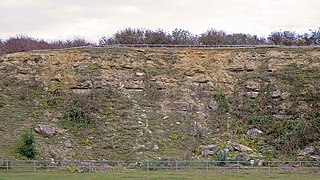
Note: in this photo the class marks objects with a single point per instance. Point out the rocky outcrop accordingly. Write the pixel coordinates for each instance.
(307, 151)
(240, 147)
(242, 157)
(314, 158)
(252, 89)
(254, 132)
(155, 101)
(45, 130)
(208, 150)
(252, 86)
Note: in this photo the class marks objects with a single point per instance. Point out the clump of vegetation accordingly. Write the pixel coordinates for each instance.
(222, 156)
(78, 112)
(222, 101)
(290, 135)
(26, 147)
(22, 43)
(77, 116)
(152, 94)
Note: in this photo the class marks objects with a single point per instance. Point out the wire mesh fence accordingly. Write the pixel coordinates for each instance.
(261, 167)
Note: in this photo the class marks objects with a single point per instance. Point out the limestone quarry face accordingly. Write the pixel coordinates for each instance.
(178, 99)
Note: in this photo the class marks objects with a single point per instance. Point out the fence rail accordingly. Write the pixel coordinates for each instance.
(179, 46)
(184, 46)
(262, 167)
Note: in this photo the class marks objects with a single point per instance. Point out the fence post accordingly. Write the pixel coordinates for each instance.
(269, 167)
(147, 166)
(207, 166)
(238, 167)
(34, 166)
(118, 164)
(177, 165)
(7, 163)
(300, 167)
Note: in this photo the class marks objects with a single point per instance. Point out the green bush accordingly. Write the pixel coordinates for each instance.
(69, 169)
(53, 102)
(78, 112)
(222, 101)
(26, 147)
(222, 157)
(291, 135)
(77, 116)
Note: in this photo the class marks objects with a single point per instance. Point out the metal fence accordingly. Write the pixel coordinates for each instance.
(261, 167)
(194, 46)
(184, 46)
(198, 46)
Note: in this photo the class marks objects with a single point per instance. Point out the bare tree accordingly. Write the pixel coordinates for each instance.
(184, 37)
(287, 38)
(129, 36)
(275, 38)
(157, 37)
(315, 36)
(213, 37)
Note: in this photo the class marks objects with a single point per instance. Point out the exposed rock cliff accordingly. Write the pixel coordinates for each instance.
(115, 103)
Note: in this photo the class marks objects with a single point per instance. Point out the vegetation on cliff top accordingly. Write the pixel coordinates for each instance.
(22, 43)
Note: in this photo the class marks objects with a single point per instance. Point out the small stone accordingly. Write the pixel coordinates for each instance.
(67, 143)
(189, 73)
(276, 94)
(139, 74)
(279, 116)
(242, 157)
(213, 106)
(260, 163)
(229, 148)
(254, 132)
(155, 148)
(252, 95)
(252, 86)
(159, 85)
(139, 148)
(202, 79)
(55, 120)
(285, 95)
(195, 158)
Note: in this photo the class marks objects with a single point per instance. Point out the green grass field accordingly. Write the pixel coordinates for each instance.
(150, 175)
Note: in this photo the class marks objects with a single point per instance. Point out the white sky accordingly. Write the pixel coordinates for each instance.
(91, 19)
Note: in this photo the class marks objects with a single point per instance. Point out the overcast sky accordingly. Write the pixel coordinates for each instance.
(91, 19)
